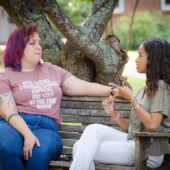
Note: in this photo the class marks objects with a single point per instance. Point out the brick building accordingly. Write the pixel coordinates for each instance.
(125, 7)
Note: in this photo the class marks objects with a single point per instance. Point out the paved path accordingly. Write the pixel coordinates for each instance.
(130, 71)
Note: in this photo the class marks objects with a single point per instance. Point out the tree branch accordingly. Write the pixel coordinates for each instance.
(98, 18)
(99, 52)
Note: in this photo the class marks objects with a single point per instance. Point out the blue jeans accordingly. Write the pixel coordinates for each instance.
(11, 144)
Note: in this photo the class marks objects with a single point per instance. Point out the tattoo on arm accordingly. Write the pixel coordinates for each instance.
(10, 98)
(68, 89)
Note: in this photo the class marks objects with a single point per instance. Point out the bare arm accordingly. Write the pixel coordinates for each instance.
(7, 108)
(151, 121)
(110, 110)
(77, 87)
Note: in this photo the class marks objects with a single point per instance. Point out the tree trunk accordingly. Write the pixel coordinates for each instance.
(84, 54)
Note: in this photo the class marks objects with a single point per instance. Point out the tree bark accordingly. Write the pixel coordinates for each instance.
(24, 12)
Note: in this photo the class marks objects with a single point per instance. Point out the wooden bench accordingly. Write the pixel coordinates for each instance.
(78, 112)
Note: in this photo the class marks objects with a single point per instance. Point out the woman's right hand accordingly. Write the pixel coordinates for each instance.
(29, 141)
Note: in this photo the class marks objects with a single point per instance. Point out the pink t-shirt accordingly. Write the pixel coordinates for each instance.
(38, 91)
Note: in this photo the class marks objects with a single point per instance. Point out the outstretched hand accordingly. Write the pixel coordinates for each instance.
(124, 92)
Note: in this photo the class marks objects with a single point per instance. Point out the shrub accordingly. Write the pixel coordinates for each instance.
(145, 26)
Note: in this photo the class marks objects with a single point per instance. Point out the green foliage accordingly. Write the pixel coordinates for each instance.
(145, 26)
(76, 10)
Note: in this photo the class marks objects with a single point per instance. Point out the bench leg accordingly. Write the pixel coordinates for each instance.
(141, 152)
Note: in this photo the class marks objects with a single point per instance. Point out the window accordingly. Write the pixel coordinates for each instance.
(165, 5)
(120, 7)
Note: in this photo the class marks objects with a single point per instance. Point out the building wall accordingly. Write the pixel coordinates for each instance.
(143, 5)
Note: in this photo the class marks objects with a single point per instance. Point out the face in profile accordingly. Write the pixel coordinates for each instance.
(141, 61)
(32, 51)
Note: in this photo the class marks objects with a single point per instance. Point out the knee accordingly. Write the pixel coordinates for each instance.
(49, 148)
(93, 128)
(155, 161)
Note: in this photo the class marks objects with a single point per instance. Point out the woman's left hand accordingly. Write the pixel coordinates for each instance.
(108, 105)
(124, 92)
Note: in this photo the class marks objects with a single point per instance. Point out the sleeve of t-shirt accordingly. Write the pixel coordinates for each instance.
(4, 84)
(61, 72)
(160, 101)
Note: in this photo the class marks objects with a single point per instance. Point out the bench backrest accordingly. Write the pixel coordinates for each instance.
(78, 112)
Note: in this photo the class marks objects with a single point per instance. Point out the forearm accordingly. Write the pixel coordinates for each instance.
(121, 121)
(150, 120)
(77, 87)
(94, 89)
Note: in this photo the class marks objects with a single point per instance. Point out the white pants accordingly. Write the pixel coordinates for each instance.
(106, 145)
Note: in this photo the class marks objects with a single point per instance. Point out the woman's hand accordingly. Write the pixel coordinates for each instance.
(29, 142)
(109, 106)
(124, 92)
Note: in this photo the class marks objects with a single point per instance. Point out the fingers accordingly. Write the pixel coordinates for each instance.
(114, 85)
(37, 142)
(27, 151)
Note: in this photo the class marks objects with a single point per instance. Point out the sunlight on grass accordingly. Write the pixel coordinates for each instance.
(132, 55)
(136, 84)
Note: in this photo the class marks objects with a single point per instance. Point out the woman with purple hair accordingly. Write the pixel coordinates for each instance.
(30, 97)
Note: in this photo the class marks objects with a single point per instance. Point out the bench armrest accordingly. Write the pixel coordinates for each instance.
(150, 134)
(142, 143)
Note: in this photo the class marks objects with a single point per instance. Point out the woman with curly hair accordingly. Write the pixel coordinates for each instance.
(150, 112)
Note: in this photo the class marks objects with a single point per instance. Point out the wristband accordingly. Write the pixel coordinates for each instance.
(117, 117)
(14, 114)
(134, 98)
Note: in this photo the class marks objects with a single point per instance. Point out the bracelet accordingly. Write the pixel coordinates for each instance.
(134, 98)
(137, 106)
(117, 117)
(14, 114)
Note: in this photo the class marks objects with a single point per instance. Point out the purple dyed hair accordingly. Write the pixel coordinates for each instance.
(15, 46)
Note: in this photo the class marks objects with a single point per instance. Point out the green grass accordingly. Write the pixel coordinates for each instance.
(136, 84)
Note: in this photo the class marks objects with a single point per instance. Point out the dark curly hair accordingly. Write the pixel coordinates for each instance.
(158, 64)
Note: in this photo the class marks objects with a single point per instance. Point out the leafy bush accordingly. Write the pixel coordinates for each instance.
(145, 26)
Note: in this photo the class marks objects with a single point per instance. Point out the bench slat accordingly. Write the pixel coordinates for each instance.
(98, 166)
(92, 105)
(72, 128)
(88, 112)
(88, 120)
(98, 99)
(66, 135)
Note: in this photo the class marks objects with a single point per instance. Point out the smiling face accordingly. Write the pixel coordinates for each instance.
(141, 61)
(32, 52)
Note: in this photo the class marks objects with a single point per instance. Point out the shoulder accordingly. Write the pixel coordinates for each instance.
(50, 66)
(162, 86)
